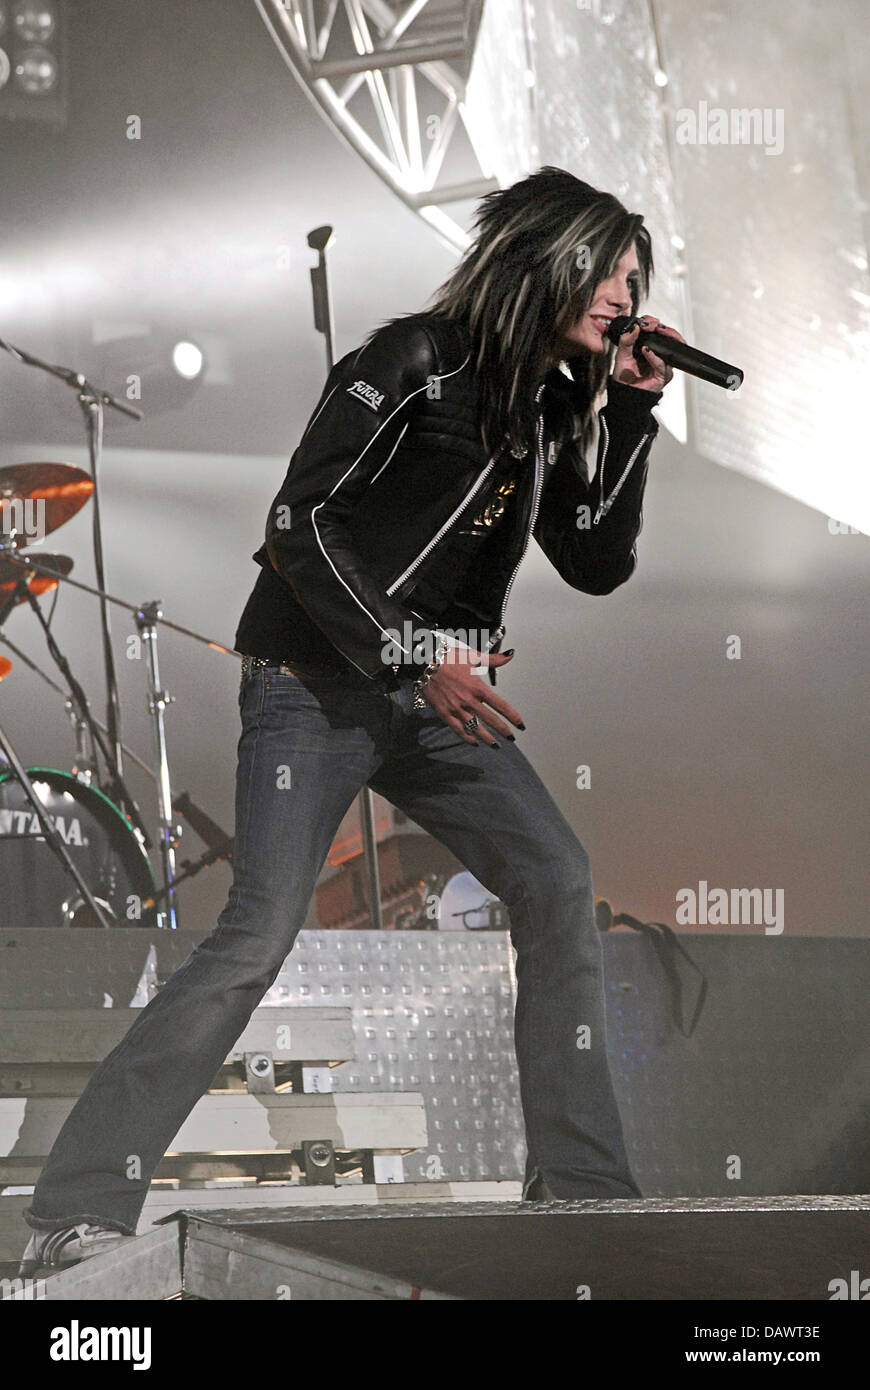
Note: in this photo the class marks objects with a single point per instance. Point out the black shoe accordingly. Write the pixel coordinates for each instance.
(538, 1191)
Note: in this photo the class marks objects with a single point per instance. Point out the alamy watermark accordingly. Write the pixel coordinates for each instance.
(23, 516)
(739, 907)
(421, 644)
(735, 125)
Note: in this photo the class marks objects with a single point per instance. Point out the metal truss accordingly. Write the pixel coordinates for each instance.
(411, 60)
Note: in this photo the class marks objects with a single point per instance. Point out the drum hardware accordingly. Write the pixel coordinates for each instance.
(22, 592)
(147, 616)
(85, 766)
(170, 831)
(50, 833)
(9, 552)
(220, 845)
(192, 867)
(93, 402)
(81, 754)
(207, 829)
(40, 497)
(58, 566)
(98, 839)
(55, 492)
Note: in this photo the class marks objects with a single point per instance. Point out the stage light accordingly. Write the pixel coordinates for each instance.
(187, 359)
(34, 23)
(33, 39)
(36, 71)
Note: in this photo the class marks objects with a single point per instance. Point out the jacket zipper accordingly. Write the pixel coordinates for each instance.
(604, 507)
(444, 529)
(539, 471)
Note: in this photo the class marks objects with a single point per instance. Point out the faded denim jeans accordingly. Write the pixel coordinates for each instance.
(326, 736)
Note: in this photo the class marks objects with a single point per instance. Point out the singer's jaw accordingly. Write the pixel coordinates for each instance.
(578, 335)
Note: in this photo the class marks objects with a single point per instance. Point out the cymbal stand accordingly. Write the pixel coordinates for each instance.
(93, 401)
(147, 618)
(82, 718)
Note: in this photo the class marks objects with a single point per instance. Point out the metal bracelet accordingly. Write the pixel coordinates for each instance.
(420, 684)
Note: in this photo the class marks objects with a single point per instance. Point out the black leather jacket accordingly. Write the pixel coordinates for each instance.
(390, 460)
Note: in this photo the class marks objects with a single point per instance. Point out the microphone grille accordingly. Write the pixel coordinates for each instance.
(618, 326)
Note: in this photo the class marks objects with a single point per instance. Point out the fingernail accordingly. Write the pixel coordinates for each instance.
(512, 738)
(521, 726)
(511, 652)
(495, 745)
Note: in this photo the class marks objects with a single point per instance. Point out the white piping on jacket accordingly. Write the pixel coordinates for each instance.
(443, 376)
(392, 451)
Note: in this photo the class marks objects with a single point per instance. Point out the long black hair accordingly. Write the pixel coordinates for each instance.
(540, 246)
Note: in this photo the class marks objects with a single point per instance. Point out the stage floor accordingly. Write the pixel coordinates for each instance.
(780, 1248)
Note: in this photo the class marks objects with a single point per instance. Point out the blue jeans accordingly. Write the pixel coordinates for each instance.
(308, 745)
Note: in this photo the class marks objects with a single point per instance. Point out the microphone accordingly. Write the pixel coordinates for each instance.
(677, 354)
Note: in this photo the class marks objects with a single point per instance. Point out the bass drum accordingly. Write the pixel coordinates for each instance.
(35, 888)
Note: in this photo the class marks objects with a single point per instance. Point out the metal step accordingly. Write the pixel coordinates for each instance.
(236, 1122)
(31, 1037)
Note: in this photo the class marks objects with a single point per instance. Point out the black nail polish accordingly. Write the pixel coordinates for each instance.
(521, 726)
(512, 738)
(495, 745)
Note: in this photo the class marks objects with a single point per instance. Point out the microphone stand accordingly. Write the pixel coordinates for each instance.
(319, 240)
(92, 401)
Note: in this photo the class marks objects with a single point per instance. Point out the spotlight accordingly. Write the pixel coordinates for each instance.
(36, 71)
(34, 23)
(187, 359)
(33, 61)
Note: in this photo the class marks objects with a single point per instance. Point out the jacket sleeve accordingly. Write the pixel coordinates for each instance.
(357, 425)
(588, 530)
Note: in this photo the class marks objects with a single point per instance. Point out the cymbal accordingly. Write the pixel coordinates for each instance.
(5, 667)
(61, 488)
(10, 572)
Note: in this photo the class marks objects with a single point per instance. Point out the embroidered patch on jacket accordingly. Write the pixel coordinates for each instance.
(369, 395)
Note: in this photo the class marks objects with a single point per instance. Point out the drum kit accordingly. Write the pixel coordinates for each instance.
(73, 848)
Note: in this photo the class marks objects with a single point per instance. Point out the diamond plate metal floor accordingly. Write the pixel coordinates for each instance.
(781, 1248)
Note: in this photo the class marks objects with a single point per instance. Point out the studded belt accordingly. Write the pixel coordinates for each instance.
(257, 663)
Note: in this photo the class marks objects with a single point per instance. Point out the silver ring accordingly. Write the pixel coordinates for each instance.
(471, 724)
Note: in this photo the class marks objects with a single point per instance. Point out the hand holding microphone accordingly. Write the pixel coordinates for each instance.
(654, 350)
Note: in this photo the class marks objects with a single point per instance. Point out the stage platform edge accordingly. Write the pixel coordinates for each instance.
(778, 1248)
